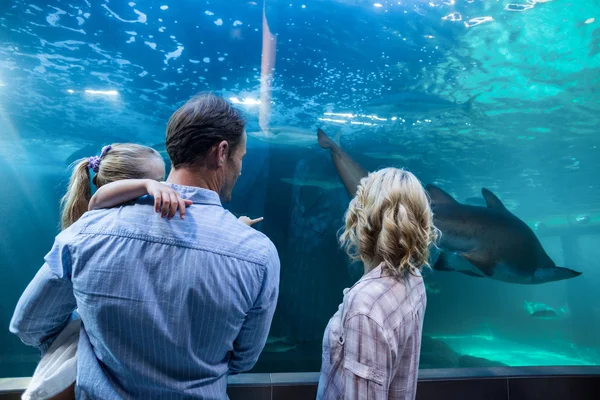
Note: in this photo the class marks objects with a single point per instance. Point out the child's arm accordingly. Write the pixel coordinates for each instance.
(249, 221)
(166, 199)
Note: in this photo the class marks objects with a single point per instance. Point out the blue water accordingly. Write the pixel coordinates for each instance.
(391, 80)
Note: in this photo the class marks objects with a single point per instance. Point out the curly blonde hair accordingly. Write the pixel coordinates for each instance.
(390, 221)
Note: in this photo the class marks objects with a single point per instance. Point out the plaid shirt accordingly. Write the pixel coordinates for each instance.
(375, 354)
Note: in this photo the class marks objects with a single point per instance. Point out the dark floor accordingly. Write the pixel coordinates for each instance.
(567, 388)
(540, 387)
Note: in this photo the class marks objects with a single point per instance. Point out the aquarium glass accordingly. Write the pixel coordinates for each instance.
(466, 94)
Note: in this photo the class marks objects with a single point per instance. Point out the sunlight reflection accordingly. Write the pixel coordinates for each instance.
(455, 16)
(477, 21)
(269, 44)
(102, 92)
(247, 101)
(338, 121)
(18, 151)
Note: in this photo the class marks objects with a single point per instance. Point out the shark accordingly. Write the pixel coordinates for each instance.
(414, 103)
(482, 242)
(492, 239)
(285, 136)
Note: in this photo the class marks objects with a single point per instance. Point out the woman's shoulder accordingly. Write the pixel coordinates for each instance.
(379, 298)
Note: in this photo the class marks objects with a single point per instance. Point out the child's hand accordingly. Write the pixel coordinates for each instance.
(249, 221)
(166, 199)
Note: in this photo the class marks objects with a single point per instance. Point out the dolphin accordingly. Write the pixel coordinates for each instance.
(492, 239)
(476, 241)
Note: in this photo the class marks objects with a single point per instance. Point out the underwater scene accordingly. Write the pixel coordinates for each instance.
(494, 105)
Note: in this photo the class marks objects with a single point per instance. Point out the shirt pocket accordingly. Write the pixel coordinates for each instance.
(362, 371)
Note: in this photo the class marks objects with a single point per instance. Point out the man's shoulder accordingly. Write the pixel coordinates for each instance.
(209, 229)
(244, 238)
(76, 228)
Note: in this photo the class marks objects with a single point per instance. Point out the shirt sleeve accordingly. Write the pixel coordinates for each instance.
(46, 305)
(367, 359)
(253, 335)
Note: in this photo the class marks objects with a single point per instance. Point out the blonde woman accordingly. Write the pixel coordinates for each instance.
(123, 172)
(371, 345)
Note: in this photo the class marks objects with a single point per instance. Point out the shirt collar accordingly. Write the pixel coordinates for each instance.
(197, 195)
(375, 273)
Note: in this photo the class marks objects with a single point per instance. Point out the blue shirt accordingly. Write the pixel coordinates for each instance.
(168, 308)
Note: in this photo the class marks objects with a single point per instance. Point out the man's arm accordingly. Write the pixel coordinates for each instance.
(253, 335)
(48, 301)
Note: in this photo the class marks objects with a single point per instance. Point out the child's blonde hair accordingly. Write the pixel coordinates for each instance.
(116, 162)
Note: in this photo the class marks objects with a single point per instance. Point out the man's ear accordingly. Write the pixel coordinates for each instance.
(222, 153)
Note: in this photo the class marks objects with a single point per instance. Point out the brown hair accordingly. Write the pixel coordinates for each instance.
(390, 221)
(122, 161)
(198, 125)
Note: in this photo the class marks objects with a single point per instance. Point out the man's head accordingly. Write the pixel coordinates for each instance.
(206, 139)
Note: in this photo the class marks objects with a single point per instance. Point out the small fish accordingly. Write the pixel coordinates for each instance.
(582, 219)
(278, 348)
(318, 183)
(276, 344)
(544, 314)
(431, 288)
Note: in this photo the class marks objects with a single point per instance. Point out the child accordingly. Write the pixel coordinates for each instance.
(123, 172)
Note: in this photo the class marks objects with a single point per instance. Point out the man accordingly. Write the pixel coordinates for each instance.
(168, 308)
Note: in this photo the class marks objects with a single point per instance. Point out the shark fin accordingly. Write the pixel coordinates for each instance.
(439, 196)
(481, 264)
(469, 103)
(492, 200)
(442, 263)
(470, 273)
(475, 201)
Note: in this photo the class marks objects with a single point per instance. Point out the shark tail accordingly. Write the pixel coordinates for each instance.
(326, 142)
(338, 136)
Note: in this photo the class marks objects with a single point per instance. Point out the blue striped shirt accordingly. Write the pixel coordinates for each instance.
(169, 308)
